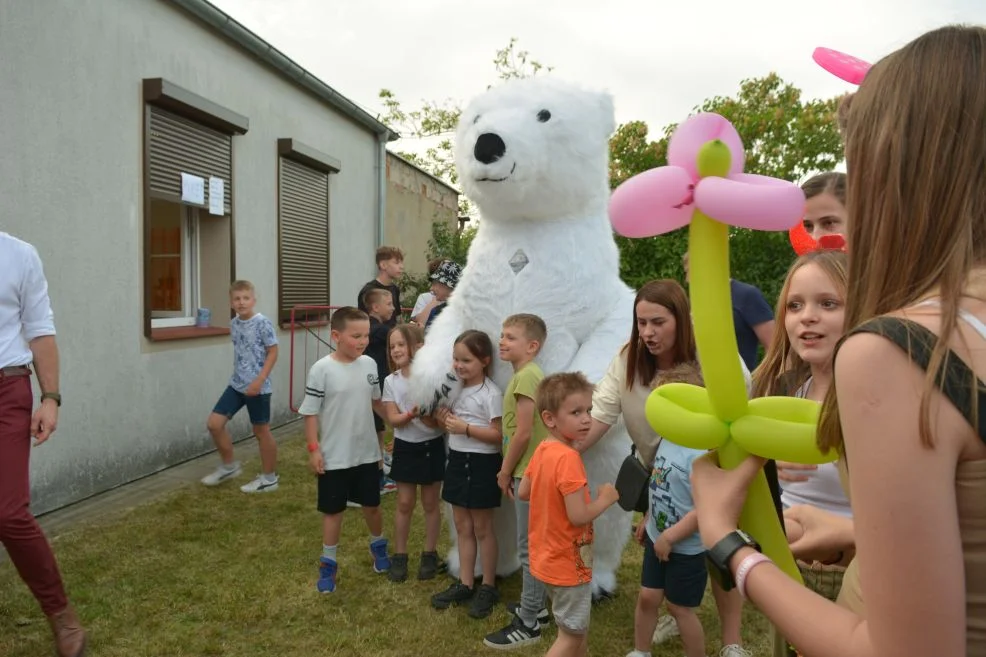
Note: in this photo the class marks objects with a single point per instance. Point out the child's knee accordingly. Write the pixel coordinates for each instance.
(405, 502)
(482, 522)
(649, 598)
(429, 503)
(216, 423)
(679, 612)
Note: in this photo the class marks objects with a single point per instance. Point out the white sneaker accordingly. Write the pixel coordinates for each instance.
(666, 629)
(353, 505)
(734, 650)
(261, 485)
(222, 474)
(638, 653)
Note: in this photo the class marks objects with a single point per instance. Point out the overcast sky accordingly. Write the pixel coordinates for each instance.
(658, 59)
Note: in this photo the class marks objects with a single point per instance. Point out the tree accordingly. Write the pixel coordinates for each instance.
(783, 137)
(436, 121)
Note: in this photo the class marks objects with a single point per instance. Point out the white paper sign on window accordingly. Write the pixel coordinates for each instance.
(192, 189)
(216, 196)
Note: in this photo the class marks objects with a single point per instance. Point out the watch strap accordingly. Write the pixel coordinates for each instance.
(54, 396)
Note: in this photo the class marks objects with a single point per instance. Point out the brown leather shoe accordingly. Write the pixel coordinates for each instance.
(70, 638)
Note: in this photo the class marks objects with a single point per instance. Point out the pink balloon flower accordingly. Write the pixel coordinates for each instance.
(663, 199)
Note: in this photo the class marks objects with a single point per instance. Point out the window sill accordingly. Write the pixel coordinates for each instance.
(186, 333)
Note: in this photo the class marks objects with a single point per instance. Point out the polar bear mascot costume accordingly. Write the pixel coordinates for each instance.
(533, 155)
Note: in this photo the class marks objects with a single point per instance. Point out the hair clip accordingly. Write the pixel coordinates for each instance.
(804, 243)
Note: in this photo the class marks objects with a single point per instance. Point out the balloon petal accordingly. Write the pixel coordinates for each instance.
(780, 440)
(691, 135)
(684, 427)
(751, 201)
(690, 397)
(845, 67)
(653, 202)
(788, 409)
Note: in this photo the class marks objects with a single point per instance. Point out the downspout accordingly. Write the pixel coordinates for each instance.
(382, 140)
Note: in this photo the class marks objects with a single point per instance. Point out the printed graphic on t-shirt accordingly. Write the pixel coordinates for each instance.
(667, 513)
(251, 339)
(583, 557)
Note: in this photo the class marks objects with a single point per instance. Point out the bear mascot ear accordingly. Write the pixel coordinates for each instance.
(607, 112)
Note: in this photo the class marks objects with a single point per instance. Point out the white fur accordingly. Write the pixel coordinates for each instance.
(551, 205)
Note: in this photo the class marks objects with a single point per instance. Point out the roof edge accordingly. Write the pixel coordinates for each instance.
(239, 34)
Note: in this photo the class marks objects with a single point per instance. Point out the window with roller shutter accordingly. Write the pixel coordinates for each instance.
(188, 245)
(303, 226)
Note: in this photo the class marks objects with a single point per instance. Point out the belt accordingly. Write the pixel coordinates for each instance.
(16, 370)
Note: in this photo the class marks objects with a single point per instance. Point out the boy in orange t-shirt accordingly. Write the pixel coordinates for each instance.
(560, 527)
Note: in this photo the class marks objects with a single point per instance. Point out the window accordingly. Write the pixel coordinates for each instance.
(303, 226)
(174, 270)
(188, 246)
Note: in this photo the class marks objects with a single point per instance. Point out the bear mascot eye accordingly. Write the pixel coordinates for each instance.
(543, 116)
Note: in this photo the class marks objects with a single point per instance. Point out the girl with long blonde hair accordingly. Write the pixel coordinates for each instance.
(904, 410)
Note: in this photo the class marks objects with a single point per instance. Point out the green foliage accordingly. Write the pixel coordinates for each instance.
(450, 244)
(783, 137)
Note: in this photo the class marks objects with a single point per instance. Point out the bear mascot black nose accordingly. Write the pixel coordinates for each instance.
(489, 148)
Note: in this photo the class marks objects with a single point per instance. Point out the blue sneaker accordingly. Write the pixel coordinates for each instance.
(327, 569)
(381, 561)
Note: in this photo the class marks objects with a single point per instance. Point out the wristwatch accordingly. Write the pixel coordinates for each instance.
(57, 398)
(717, 558)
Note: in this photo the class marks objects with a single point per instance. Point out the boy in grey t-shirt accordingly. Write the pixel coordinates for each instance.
(340, 392)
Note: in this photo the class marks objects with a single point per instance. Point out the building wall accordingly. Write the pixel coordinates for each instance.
(70, 183)
(415, 201)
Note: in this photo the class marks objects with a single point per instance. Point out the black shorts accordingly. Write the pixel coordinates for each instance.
(418, 463)
(682, 577)
(231, 401)
(470, 480)
(359, 484)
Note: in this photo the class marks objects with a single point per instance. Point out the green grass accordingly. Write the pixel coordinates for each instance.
(213, 572)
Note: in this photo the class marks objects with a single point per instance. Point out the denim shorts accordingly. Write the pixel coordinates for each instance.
(682, 577)
(232, 401)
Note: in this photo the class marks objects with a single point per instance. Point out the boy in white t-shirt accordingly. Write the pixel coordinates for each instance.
(341, 390)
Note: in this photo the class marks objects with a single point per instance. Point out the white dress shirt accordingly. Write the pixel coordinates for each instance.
(25, 311)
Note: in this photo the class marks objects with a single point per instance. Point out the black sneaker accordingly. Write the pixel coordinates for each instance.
(453, 595)
(515, 635)
(398, 568)
(431, 566)
(544, 618)
(486, 598)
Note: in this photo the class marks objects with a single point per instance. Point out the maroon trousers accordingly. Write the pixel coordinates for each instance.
(20, 533)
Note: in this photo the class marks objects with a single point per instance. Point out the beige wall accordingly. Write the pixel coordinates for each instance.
(71, 183)
(415, 200)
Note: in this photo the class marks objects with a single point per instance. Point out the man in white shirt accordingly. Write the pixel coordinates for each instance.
(27, 335)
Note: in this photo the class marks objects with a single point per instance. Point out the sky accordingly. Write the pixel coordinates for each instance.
(658, 59)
